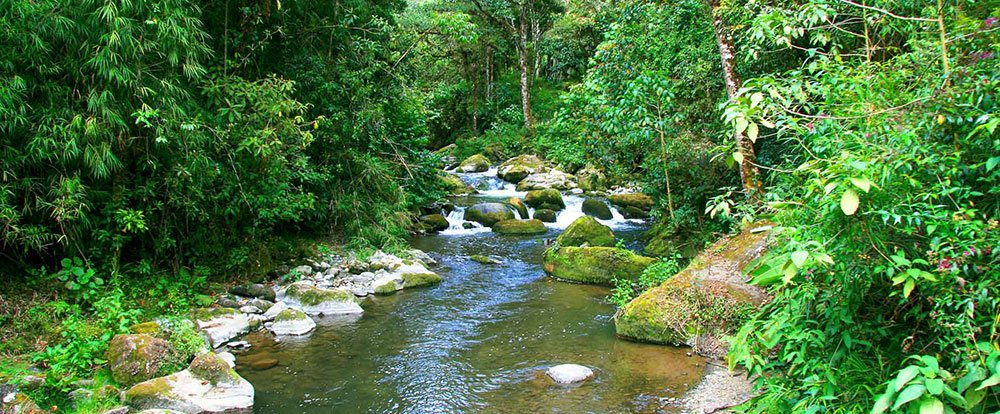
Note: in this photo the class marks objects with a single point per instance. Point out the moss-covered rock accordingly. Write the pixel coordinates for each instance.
(594, 265)
(545, 215)
(254, 290)
(454, 185)
(551, 179)
(518, 204)
(586, 231)
(701, 304)
(597, 208)
(516, 169)
(532, 226)
(637, 200)
(316, 300)
(292, 322)
(590, 178)
(134, 358)
(411, 280)
(552, 197)
(488, 214)
(208, 385)
(434, 222)
(478, 258)
(475, 163)
(633, 212)
(212, 368)
(149, 328)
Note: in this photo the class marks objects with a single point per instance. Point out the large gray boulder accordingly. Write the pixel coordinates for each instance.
(208, 385)
(292, 322)
(315, 300)
(133, 358)
(551, 179)
(488, 214)
(475, 163)
(516, 169)
(220, 324)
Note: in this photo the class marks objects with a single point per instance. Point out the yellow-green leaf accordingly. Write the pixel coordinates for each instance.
(755, 99)
(738, 156)
(931, 406)
(752, 132)
(863, 183)
(799, 257)
(849, 202)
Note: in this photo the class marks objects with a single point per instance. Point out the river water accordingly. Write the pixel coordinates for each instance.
(478, 342)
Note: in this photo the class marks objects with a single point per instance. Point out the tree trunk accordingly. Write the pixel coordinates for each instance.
(524, 66)
(748, 169)
(536, 39)
(475, 115)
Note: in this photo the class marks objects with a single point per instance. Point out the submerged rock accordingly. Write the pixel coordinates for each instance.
(133, 358)
(550, 197)
(292, 322)
(484, 259)
(545, 215)
(475, 163)
(594, 265)
(489, 213)
(320, 301)
(532, 226)
(552, 179)
(208, 385)
(702, 303)
(220, 324)
(516, 169)
(569, 373)
(597, 208)
(586, 231)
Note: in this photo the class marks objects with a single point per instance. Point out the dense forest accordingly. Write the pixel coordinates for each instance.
(154, 152)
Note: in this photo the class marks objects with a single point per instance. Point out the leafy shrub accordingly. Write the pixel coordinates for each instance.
(625, 290)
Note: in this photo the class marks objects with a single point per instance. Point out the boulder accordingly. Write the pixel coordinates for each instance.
(208, 385)
(226, 301)
(255, 290)
(478, 258)
(545, 215)
(594, 265)
(551, 179)
(547, 197)
(633, 212)
(637, 200)
(19, 403)
(273, 312)
(320, 301)
(703, 303)
(569, 373)
(261, 304)
(518, 204)
(591, 178)
(412, 280)
(475, 163)
(454, 185)
(489, 213)
(532, 226)
(220, 324)
(292, 322)
(434, 222)
(516, 169)
(134, 358)
(586, 231)
(597, 208)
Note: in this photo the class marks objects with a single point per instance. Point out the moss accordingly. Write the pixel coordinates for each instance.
(489, 213)
(205, 314)
(154, 389)
(386, 289)
(432, 222)
(586, 230)
(290, 315)
(455, 185)
(550, 196)
(483, 259)
(597, 208)
(545, 215)
(210, 367)
(475, 163)
(420, 279)
(533, 226)
(135, 358)
(151, 328)
(594, 265)
(312, 296)
(638, 200)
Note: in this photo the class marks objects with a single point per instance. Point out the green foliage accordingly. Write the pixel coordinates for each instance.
(81, 282)
(624, 290)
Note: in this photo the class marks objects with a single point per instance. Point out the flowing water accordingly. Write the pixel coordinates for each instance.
(478, 342)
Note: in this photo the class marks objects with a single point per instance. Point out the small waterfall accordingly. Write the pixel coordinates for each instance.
(574, 210)
(457, 224)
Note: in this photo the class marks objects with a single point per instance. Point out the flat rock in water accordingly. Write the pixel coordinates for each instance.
(221, 324)
(292, 322)
(569, 373)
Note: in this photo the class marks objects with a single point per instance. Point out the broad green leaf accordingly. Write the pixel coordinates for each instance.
(992, 163)
(799, 257)
(935, 386)
(741, 125)
(883, 402)
(863, 183)
(738, 157)
(849, 202)
(752, 132)
(755, 99)
(989, 382)
(908, 394)
(905, 375)
(931, 406)
(908, 287)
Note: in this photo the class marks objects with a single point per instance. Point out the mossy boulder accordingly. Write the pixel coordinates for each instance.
(516, 169)
(134, 358)
(703, 303)
(220, 324)
(551, 197)
(478, 258)
(597, 208)
(151, 328)
(552, 179)
(208, 385)
(638, 200)
(532, 226)
(292, 322)
(418, 279)
(255, 290)
(488, 214)
(518, 204)
(315, 300)
(434, 222)
(586, 231)
(475, 163)
(590, 178)
(454, 185)
(633, 212)
(594, 265)
(545, 215)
